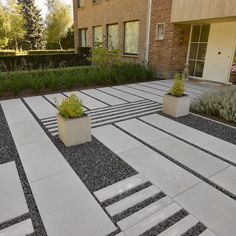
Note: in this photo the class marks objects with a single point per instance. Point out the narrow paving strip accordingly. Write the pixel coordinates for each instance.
(111, 114)
(120, 94)
(111, 100)
(200, 199)
(64, 203)
(20, 229)
(141, 213)
(12, 200)
(88, 101)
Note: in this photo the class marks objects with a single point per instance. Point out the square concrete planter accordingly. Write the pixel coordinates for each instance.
(74, 131)
(176, 106)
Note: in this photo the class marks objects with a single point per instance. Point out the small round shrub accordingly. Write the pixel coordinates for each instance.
(71, 107)
(178, 88)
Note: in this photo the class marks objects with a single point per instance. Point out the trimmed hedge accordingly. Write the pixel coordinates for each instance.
(45, 52)
(68, 78)
(7, 53)
(34, 62)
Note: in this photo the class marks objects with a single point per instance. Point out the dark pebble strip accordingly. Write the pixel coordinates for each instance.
(195, 230)
(226, 192)
(138, 207)
(125, 194)
(8, 153)
(166, 224)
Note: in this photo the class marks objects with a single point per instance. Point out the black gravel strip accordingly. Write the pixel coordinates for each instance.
(16, 220)
(196, 230)
(226, 192)
(138, 207)
(166, 224)
(94, 163)
(8, 152)
(125, 194)
(215, 129)
(185, 141)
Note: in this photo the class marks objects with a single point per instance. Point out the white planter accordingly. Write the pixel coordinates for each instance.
(74, 131)
(176, 106)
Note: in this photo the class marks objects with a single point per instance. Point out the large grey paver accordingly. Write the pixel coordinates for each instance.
(41, 107)
(137, 127)
(67, 207)
(120, 187)
(104, 97)
(192, 157)
(213, 208)
(90, 103)
(201, 139)
(153, 220)
(13, 111)
(226, 178)
(12, 200)
(55, 98)
(143, 94)
(147, 89)
(166, 175)
(120, 94)
(180, 227)
(41, 159)
(132, 200)
(20, 229)
(115, 139)
(144, 213)
(207, 233)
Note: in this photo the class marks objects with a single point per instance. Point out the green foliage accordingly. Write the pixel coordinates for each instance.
(34, 37)
(218, 102)
(178, 88)
(59, 21)
(71, 107)
(104, 57)
(67, 78)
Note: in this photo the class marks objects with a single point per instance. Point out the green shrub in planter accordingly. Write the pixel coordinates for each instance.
(71, 107)
(178, 88)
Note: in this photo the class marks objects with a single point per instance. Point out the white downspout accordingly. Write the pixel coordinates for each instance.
(149, 13)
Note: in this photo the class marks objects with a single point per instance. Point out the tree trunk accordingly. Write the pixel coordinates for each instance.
(16, 44)
(59, 41)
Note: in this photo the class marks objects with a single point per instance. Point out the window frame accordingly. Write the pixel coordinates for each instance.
(157, 31)
(107, 35)
(97, 26)
(124, 39)
(79, 5)
(80, 37)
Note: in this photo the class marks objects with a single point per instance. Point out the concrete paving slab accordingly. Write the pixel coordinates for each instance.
(12, 199)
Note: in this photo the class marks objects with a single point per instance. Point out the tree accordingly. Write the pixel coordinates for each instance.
(59, 21)
(11, 24)
(34, 38)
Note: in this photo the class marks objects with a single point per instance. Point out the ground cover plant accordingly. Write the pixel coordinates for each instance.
(219, 103)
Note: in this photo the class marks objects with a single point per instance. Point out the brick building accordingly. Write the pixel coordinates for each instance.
(164, 33)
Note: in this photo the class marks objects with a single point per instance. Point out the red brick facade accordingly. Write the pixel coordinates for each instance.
(169, 55)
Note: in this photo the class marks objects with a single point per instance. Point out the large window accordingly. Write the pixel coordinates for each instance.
(198, 47)
(112, 36)
(131, 37)
(97, 35)
(83, 37)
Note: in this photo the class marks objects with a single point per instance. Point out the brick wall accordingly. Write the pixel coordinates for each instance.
(169, 55)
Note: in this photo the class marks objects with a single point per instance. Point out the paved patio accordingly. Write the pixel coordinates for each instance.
(176, 180)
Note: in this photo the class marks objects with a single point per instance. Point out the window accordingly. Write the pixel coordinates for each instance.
(131, 37)
(80, 3)
(160, 33)
(83, 37)
(112, 36)
(197, 50)
(97, 35)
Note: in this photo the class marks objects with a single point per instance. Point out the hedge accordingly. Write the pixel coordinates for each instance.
(43, 52)
(32, 62)
(67, 78)
(7, 53)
